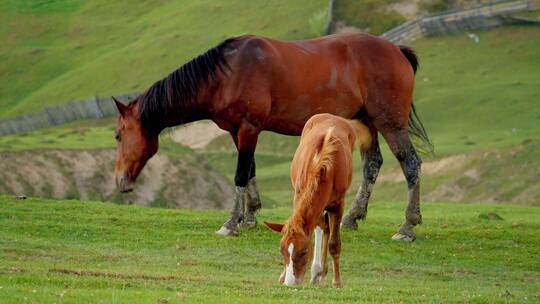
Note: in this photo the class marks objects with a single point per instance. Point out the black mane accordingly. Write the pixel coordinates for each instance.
(177, 91)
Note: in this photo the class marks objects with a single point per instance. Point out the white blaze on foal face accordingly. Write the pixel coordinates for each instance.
(289, 271)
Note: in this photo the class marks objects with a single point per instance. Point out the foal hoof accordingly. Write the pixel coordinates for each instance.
(403, 237)
(227, 232)
(337, 284)
(318, 279)
(349, 223)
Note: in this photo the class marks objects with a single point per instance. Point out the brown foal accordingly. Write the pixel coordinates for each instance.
(321, 173)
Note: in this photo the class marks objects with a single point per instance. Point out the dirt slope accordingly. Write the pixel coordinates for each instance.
(88, 174)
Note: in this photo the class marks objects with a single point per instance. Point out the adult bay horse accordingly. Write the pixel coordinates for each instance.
(248, 84)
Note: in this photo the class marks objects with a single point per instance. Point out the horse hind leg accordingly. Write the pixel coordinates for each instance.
(372, 161)
(410, 162)
(253, 200)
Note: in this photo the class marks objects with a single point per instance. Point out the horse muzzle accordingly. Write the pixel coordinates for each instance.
(124, 184)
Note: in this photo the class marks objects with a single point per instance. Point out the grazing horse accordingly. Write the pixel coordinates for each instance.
(249, 84)
(321, 173)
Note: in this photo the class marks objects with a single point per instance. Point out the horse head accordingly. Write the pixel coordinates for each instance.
(135, 145)
(295, 248)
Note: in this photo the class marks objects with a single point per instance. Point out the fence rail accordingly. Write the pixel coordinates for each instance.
(483, 17)
(91, 108)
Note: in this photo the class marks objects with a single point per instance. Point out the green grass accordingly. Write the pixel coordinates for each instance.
(369, 15)
(70, 49)
(128, 254)
(480, 96)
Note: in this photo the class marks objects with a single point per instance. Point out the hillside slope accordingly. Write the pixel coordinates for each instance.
(72, 251)
(479, 103)
(70, 49)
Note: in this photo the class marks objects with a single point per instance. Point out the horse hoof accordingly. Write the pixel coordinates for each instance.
(338, 284)
(227, 232)
(318, 279)
(403, 238)
(349, 223)
(249, 224)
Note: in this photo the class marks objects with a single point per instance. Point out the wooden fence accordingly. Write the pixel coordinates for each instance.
(487, 16)
(92, 108)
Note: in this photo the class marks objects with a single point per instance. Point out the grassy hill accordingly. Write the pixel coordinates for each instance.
(72, 251)
(478, 102)
(61, 50)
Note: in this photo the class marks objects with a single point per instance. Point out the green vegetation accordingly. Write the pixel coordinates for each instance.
(72, 251)
(70, 49)
(373, 16)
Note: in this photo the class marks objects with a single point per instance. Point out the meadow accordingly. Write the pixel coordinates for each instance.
(73, 251)
(479, 103)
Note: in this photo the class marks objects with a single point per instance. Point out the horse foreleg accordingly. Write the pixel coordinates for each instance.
(319, 265)
(253, 202)
(372, 161)
(334, 246)
(246, 141)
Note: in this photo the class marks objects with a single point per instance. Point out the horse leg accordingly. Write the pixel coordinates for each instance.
(254, 200)
(372, 161)
(401, 146)
(319, 266)
(246, 140)
(334, 245)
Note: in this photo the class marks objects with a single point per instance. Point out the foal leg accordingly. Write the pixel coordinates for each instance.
(410, 162)
(372, 161)
(253, 202)
(246, 143)
(334, 245)
(319, 266)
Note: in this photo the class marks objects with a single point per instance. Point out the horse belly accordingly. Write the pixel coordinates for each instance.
(289, 115)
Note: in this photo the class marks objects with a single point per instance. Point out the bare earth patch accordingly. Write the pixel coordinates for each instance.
(197, 135)
(88, 174)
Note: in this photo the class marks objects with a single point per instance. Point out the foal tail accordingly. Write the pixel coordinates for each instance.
(416, 127)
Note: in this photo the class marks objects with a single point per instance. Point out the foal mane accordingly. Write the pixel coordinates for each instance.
(178, 91)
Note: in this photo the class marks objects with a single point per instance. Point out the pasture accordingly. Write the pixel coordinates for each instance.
(73, 251)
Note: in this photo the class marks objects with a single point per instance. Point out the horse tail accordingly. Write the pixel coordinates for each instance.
(411, 56)
(416, 127)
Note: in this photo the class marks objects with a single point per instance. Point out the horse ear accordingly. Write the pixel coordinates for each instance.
(122, 108)
(273, 226)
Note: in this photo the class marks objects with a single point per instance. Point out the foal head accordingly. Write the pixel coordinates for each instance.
(295, 248)
(135, 146)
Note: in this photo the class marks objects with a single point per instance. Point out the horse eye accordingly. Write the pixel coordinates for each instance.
(303, 253)
(117, 136)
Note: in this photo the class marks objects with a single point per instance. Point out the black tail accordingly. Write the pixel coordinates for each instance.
(416, 127)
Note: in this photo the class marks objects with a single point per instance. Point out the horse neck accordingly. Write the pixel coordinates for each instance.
(194, 110)
(307, 216)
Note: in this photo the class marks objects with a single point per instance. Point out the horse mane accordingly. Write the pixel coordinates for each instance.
(315, 170)
(178, 91)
